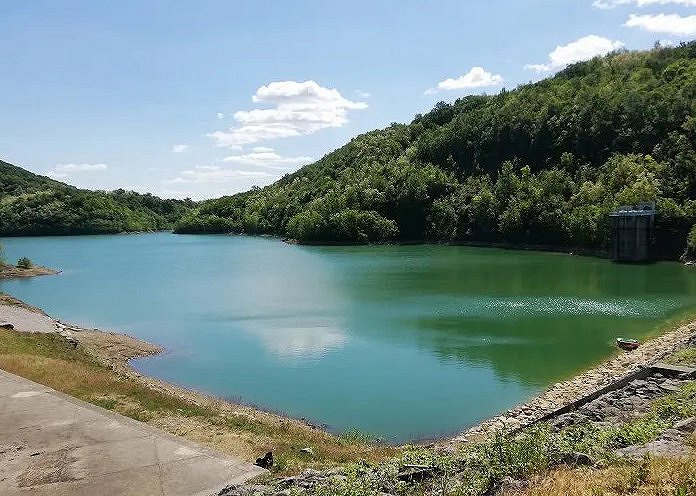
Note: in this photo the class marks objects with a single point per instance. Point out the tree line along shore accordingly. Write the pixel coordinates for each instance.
(542, 164)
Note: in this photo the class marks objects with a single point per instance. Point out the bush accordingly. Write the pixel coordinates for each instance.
(348, 225)
(24, 263)
(691, 240)
(204, 224)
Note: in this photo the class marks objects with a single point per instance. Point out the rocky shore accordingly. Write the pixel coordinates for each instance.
(633, 411)
(650, 416)
(632, 402)
(563, 393)
(12, 272)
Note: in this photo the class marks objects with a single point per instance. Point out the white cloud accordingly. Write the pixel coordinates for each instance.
(667, 43)
(80, 167)
(477, 77)
(214, 174)
(64, 170)
(267, 157)
(538, 67)
(583, 49)
(220, 115)
(299, 109)
(673, 24)
(610, 4)
(179, 148)
(362, 94)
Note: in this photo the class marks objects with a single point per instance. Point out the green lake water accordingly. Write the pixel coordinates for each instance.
(402, 342)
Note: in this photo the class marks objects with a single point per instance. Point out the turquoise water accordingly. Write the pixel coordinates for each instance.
(402, 342)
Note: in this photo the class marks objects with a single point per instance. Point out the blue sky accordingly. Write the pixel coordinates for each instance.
(209, 97)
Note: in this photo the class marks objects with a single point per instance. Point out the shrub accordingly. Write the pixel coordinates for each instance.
(691, 240)
(24, 263)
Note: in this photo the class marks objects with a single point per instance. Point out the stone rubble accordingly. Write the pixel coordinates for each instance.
(564, 393)
(620, 406)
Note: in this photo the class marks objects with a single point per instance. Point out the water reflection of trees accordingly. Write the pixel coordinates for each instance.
(410, 299)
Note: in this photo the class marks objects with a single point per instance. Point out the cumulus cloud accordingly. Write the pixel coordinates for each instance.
(673, 24)
(179, 148)
(214, 174)
(477, 77)
(220, 115)
(611, 4)
(266, 157)
(299, 108)
(583, 49)
(64, 170)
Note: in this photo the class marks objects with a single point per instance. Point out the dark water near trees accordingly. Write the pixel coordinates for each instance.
(398, 341)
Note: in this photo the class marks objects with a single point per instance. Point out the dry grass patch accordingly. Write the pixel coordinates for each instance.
(652, 476)
(687, 357)
(51, 360)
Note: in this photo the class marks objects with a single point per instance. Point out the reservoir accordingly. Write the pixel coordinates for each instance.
(400, 342)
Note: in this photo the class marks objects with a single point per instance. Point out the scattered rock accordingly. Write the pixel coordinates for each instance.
(669, 388)
(245, 490)
(686, 425)
(307, 451)
(576, 459)
(416, 473)
(512, 485)
(266, 461)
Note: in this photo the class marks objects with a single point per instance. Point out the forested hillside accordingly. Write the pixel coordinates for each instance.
(35, 205)
(542, 164)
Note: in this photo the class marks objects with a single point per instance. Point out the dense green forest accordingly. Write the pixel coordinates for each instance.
(542, 164)
(33, 205)
(539, 165)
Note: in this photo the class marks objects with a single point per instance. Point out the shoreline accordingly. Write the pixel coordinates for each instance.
(12, 272)
(664, 343)
(93, 365)
(115, 350)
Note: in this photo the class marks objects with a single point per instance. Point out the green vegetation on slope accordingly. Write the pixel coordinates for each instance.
(542, 164)
(35, 205)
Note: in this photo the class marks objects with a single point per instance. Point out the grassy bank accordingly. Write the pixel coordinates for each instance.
(51, 360)
(540, 461)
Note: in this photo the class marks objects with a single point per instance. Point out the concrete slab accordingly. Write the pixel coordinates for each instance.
(673, 370)
(52, 444)
(26, 321)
